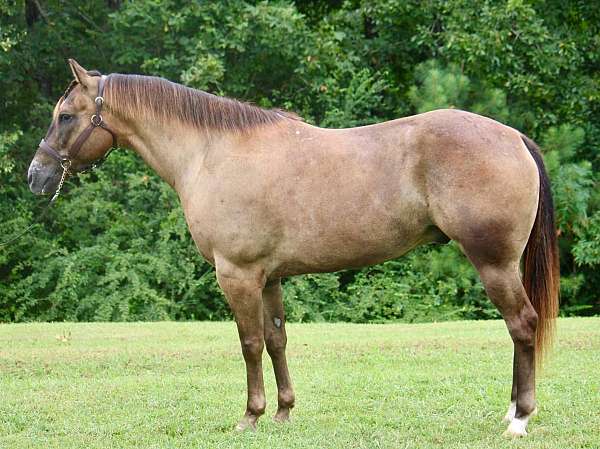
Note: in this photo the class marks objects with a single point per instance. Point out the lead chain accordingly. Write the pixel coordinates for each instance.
(65, 166)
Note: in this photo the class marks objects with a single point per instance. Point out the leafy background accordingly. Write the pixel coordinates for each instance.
(116, 246)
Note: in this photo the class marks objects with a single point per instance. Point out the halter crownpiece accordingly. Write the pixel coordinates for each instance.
(96, 122)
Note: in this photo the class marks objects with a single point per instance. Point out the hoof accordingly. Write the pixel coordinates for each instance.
(518, 426)
(248, 422)
(282, 415)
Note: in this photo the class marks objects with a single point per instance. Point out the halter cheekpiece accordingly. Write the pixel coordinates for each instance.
(96, 122)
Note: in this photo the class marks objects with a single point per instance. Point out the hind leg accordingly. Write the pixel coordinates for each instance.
(504, 287)
(512, 408)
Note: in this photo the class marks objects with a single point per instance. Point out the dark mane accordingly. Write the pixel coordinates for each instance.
(159, 99)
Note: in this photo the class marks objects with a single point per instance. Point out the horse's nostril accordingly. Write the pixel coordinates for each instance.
(29, 177)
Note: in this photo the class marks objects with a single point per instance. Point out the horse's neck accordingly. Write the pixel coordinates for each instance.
(171, 150)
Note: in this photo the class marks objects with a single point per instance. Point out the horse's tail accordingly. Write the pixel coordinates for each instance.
(541, 266)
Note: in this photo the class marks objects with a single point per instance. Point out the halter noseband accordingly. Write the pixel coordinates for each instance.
(96, 122)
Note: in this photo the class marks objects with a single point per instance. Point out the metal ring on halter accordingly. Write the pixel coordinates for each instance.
(65, 164)
(96, 119)
(99, 101)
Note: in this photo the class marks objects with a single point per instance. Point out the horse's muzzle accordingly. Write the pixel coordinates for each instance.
(42, 179)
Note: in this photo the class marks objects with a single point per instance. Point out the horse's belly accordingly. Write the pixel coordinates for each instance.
(306, 253)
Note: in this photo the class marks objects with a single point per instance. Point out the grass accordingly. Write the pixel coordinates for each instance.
(182, 385)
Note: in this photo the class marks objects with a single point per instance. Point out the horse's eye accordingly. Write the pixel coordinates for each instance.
(64, 118)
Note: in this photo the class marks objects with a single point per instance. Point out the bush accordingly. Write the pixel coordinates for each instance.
(116, 246)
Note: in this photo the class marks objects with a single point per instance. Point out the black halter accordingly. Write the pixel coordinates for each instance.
(96, 122)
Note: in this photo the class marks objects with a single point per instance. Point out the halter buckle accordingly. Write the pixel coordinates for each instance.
(96, 119)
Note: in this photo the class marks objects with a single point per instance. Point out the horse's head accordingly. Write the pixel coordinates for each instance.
(72, 143)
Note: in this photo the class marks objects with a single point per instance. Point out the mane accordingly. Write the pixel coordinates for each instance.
(156, 98)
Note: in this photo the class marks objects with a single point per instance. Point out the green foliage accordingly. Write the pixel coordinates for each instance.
(117, 257)
(422, 287)
(116, 247)
(7, 140)
(352, 102)
(448, 87)
(440, 88)
(426, 285)
(312, 297)
(587, 249)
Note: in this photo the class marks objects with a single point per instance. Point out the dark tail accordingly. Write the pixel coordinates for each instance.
(541, 267)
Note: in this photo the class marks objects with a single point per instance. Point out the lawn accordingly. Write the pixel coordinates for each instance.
(182, 385)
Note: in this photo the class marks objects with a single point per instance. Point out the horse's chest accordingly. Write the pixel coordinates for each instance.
(203, 242)
(240, 233)
(199, 225)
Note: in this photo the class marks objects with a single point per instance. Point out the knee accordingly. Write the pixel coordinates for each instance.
(257, 405)
(276, 343)
(252, 347)
(286, 398)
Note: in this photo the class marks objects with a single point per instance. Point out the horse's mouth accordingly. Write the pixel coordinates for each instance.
(44, 191)
(43, 188)
(42, 179)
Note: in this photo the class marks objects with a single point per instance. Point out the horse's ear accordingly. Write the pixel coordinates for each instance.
(80, 74)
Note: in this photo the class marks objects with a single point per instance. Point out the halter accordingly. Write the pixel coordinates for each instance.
(96, 122)
(66, 161)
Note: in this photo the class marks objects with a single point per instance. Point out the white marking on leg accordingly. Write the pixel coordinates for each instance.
(518, 426)
(510, 414)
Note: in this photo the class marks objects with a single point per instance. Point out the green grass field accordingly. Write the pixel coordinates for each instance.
(182, 385)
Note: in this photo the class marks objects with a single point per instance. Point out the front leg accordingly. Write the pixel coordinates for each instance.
(276, 340)
(243, 289)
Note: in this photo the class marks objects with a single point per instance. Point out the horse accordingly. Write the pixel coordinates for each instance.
(267, 195)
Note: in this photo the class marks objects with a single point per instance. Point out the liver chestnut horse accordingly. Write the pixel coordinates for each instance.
(266, 196)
